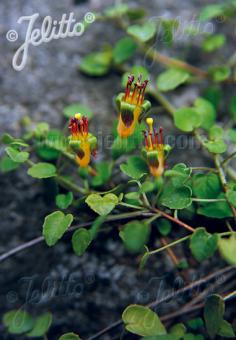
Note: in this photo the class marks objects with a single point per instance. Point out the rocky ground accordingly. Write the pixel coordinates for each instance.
(84, 294)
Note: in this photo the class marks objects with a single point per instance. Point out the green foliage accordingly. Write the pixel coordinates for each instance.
(178, 330)
(213, 42)
(202, 244)
(81, 239)
(55, 225)
(69, 336)
(41, 325)
(124, 49)
(164, 226)
(103, 174)
(18, 321)
(143, 32)
(102, 205)
(135, 167)
(213, 314)
(207, 112)
(42, 170)
(16, 155)
(219, 73)
(96, 64)
(7, 164)
(176, 198)
(187, 119)
(142, 321)
(135, 235)
(227, 248)
(171, 79)
(63, 201)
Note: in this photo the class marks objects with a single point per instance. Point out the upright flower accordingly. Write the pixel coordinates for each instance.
(81, 141)
(155, 151)
(131, 105)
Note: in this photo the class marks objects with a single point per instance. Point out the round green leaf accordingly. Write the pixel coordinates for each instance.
(123, 50)
(64, 201)
(135, 235)
(226, 330)
(55, 225)
(103, 173)
(202, 244)
(206, 186)
(135, 167)
(164, 226)
(42, 170)
(187, 119)
(142, 32)
(96, 64)
(69, 336)
(41, 325)
(213, 314)
(7, 164)
(227, 248)
(171, 79)
(81, 239)
(142, 321)
(216, 146)
(219, 73)
(18, 321)
(176, 198)
(70, 110)
(207, 112)
(17, 156)
(213, 42)
(211, 11)
(102, 205)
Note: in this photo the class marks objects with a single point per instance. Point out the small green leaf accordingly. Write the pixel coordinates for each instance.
(135, 235)
(124, 49)
(187, 119)
(102, 205)
(211, 11)
(213, 42)
(142, 32)
(50, 147)
(164, 226)
(215, 209)
(195, 324)
(171, 79)
(135, 167)
(227, 248)
(219, 73)
(202, 244)
(231, 196)
(226, 330)
(179, 174)
(206, 186)
(69, 336)
(55, 225)
(216, 146)
(213, 314)
(216, 132)
(142, 321)
(207, 112)
(64, 201)
(176, 198)
(70, 110)
(178, 330)
(103, 173)
(6, 164)
(81, 239)
(17, 156)
(42, 170)
(97, 63)
(18, 321)
(116, 11)
(41, 325)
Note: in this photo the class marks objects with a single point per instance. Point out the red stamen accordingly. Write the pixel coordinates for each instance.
(161, 135)
(145, 139)
(155, 137)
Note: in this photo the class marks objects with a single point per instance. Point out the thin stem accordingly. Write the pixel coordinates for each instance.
(130, 206)
(203, 168)
(158, 96)
(208, 199)
(39, 239)
(173, 219)
(226, 160)
(69, 185)
(145, 199)
(169, 245)
(223, 182)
